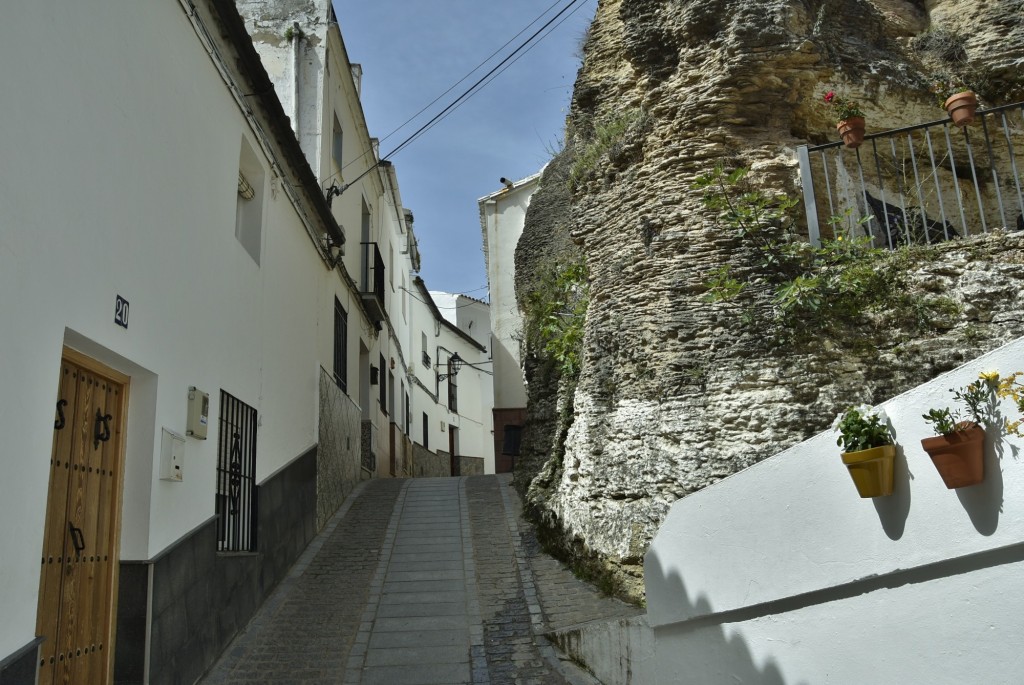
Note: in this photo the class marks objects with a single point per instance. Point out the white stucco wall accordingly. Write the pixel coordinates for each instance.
(783, 574)
(502, 217)
(120, 154)
(469, 315)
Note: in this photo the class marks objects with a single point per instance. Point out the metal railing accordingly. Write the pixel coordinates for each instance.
(920, 184)
(371, 281)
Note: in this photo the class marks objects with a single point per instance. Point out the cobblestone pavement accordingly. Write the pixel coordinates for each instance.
(419, 582)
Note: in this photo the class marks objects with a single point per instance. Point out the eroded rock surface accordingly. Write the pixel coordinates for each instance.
(677, 393)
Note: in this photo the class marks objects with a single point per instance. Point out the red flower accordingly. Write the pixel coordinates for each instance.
(829, 96)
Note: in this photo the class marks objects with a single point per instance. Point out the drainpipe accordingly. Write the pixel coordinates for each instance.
(296, 38)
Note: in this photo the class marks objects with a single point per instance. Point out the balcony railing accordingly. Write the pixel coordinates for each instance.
(920, 184)
(371, 281)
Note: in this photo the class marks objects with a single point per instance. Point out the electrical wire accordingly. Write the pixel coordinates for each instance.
(450, 89)
(523, 48)
(472, 90)
(432, 123)
(458, 306)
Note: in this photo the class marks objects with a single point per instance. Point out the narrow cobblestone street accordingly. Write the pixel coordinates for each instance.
(419, 582)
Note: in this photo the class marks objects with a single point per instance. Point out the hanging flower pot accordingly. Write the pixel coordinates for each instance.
(959, 456)
(852, 131)
(961, 107)
(872, 470)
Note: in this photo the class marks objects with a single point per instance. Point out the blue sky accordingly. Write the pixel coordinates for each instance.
(414, 50)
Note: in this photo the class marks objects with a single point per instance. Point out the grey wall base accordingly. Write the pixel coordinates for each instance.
(19, 668)
(201, 599)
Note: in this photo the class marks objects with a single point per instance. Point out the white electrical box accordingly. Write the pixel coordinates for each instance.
(172, 456)
(198, 413)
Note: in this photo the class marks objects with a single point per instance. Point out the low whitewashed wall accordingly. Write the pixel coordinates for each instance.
(783, 574)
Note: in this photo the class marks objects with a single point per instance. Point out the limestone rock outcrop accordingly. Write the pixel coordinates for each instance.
(677, 393)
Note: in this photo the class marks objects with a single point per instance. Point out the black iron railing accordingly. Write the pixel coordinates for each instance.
(920, 184)
(371, 282)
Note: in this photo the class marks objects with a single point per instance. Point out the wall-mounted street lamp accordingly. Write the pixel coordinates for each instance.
(455, 363)
(334, 250)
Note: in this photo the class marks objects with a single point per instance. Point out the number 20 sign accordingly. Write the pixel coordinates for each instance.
(121, 312)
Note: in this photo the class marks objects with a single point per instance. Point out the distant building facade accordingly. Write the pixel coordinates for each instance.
(502, 217)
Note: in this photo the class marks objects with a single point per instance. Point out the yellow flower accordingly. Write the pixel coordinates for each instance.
(990, 376)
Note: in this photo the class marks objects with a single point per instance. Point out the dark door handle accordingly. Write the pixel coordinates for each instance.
(60, 423)
(102, 433)
(77, 539)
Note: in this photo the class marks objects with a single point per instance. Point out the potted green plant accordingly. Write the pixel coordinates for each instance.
(956, 97)
(849, 119)
(958, 448)
(869, 452)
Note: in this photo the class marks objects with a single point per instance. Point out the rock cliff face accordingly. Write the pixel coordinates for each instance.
(676, 393)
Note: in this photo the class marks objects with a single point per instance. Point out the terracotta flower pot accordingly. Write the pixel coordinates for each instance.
(872, 470)
(961, 107)
(852, 131)
(959, 456)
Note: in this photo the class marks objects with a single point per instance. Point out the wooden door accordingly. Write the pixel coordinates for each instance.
(453, 447)
(391, 446)
(78, 585)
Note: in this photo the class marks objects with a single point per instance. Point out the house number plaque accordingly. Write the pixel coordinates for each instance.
(121, 312)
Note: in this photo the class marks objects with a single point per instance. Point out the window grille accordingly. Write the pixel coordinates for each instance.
(340, 346)
(511, 440)
(383, 389)
(236, 476)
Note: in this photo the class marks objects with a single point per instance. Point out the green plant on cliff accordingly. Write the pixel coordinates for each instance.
(843, 286)
(607, 134)
(556, 308)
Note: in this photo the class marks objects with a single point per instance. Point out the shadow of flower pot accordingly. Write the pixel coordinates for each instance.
(984, 502)
(893, 510)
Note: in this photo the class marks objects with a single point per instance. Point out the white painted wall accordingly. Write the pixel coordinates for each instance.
(782, 574)
(473, 418)
(468, 314)
(502, 217)
(120, 154)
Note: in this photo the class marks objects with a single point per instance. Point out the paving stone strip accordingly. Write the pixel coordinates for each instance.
(421, 620)
(512, 622)
(305, 630)
(415, 582)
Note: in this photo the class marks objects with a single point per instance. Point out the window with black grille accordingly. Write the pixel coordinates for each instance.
(511, 440)
(383, 389)
(236, 476)
(340, 346)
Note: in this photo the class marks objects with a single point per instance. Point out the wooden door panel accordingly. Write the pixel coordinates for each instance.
(77, 588)
(56, 543)
(74, 602)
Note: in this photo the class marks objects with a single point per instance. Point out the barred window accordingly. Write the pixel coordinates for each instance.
(236, 476)
(340, 346)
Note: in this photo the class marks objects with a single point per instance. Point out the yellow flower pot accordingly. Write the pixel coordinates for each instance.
(872, 470)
